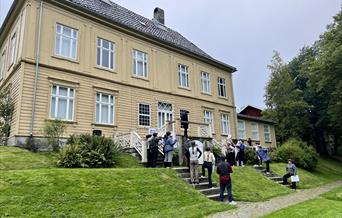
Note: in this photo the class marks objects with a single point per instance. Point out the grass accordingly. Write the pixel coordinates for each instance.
(250, 185)
(327, 171)
(327, 205)
(13, 158)
(133, 192)
(31, 186)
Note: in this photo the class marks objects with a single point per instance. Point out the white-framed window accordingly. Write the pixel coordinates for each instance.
(104, 108)
(221, 83)
(208, 118)
(205, 80)
(144, 115)
(62, 103)
(183, 75)
(267, 133)
(241, 129)
(139, 63)
(3, 64)
(255, 131)
(12, 48)
(225, 124)
(105, 54)
(66, 41)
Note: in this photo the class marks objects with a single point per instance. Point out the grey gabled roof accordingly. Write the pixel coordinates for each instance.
(141, 24)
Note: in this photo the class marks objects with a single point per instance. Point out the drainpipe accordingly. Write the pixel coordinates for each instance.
(37, 69)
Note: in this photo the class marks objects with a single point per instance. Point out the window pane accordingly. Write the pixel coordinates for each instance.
(98, 54)
(99, 42)
(105, 98)
(140, 69)
(111, 115)
(58, 39)
(53, 104)
(75, 34)
(105, 58)
(111, 60)
(104, 114)
(54, 90)
(71, 109)
(59, 28)
(65, 47)
(67, 31)
(105, 44)
(71, 93)
(63, 91)
(62, 109)
(74, 49)
(97, 113)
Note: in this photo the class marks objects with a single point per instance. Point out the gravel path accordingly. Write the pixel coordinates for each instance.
(250, 210)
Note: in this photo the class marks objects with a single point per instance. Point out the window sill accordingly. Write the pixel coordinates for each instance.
(106, 69)
(185, 88)
(140, 77)
(221, 97)
(224, 134)
(64, 121)
(104, 125)
(206, 93)
(268, 141)
(144, 127)
(10, 66)
(66, 59)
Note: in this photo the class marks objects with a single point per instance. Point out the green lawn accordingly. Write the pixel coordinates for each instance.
(249, 185)
(31, 186)
(327, 205)
(327, 171)
(13, 158)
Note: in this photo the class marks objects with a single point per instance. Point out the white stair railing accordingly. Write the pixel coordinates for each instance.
(130, 140)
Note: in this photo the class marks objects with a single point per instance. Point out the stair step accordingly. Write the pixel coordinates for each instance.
(276, 178)
(181, 169)
(203, 185)
(184, 175)
(205, 179)
(210, 191)
(216, 197)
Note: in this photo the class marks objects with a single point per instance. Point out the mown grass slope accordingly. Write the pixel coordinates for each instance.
(249, 185)
(31, 186)
(327, 171)
(327, 205)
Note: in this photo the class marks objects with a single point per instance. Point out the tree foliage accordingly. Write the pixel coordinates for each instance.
(6, 113)
(305, 95)
(53, 131)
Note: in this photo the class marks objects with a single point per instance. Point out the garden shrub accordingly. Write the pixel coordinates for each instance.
(304, 156)
(53, 131)
(250, 155)
(89, 151)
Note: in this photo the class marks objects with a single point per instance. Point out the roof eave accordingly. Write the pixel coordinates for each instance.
(258, 119)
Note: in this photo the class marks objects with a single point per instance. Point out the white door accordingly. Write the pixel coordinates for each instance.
(164, 113)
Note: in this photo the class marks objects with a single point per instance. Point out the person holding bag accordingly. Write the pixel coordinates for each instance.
(291, 170)
(169, 142)
(224, 170)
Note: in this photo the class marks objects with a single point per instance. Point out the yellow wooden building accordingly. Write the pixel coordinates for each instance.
(99, 66)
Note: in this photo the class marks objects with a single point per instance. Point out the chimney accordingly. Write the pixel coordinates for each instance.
(158, 15)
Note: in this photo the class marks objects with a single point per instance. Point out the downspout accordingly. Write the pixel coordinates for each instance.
(37, 69)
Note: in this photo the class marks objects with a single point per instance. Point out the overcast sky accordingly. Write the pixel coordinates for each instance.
(242, 33)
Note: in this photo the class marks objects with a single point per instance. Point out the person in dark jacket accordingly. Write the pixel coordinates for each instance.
(149, 158)
(241, 153)
(291, 170)
(263, 154)
(224, 170)
(154, 142)
(169, 142)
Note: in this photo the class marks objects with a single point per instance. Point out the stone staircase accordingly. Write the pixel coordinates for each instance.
(272, 176)
(212, 193)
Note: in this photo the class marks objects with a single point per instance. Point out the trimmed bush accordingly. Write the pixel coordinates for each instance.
(304, 156)
(89, 151)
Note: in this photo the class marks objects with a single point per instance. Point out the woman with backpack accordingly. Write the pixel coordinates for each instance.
(195, 154)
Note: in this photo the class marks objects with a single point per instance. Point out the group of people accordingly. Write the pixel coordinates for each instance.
(232, 155)
(152, 146)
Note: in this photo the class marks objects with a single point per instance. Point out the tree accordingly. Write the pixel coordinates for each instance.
(285, 103)
(6, 113)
